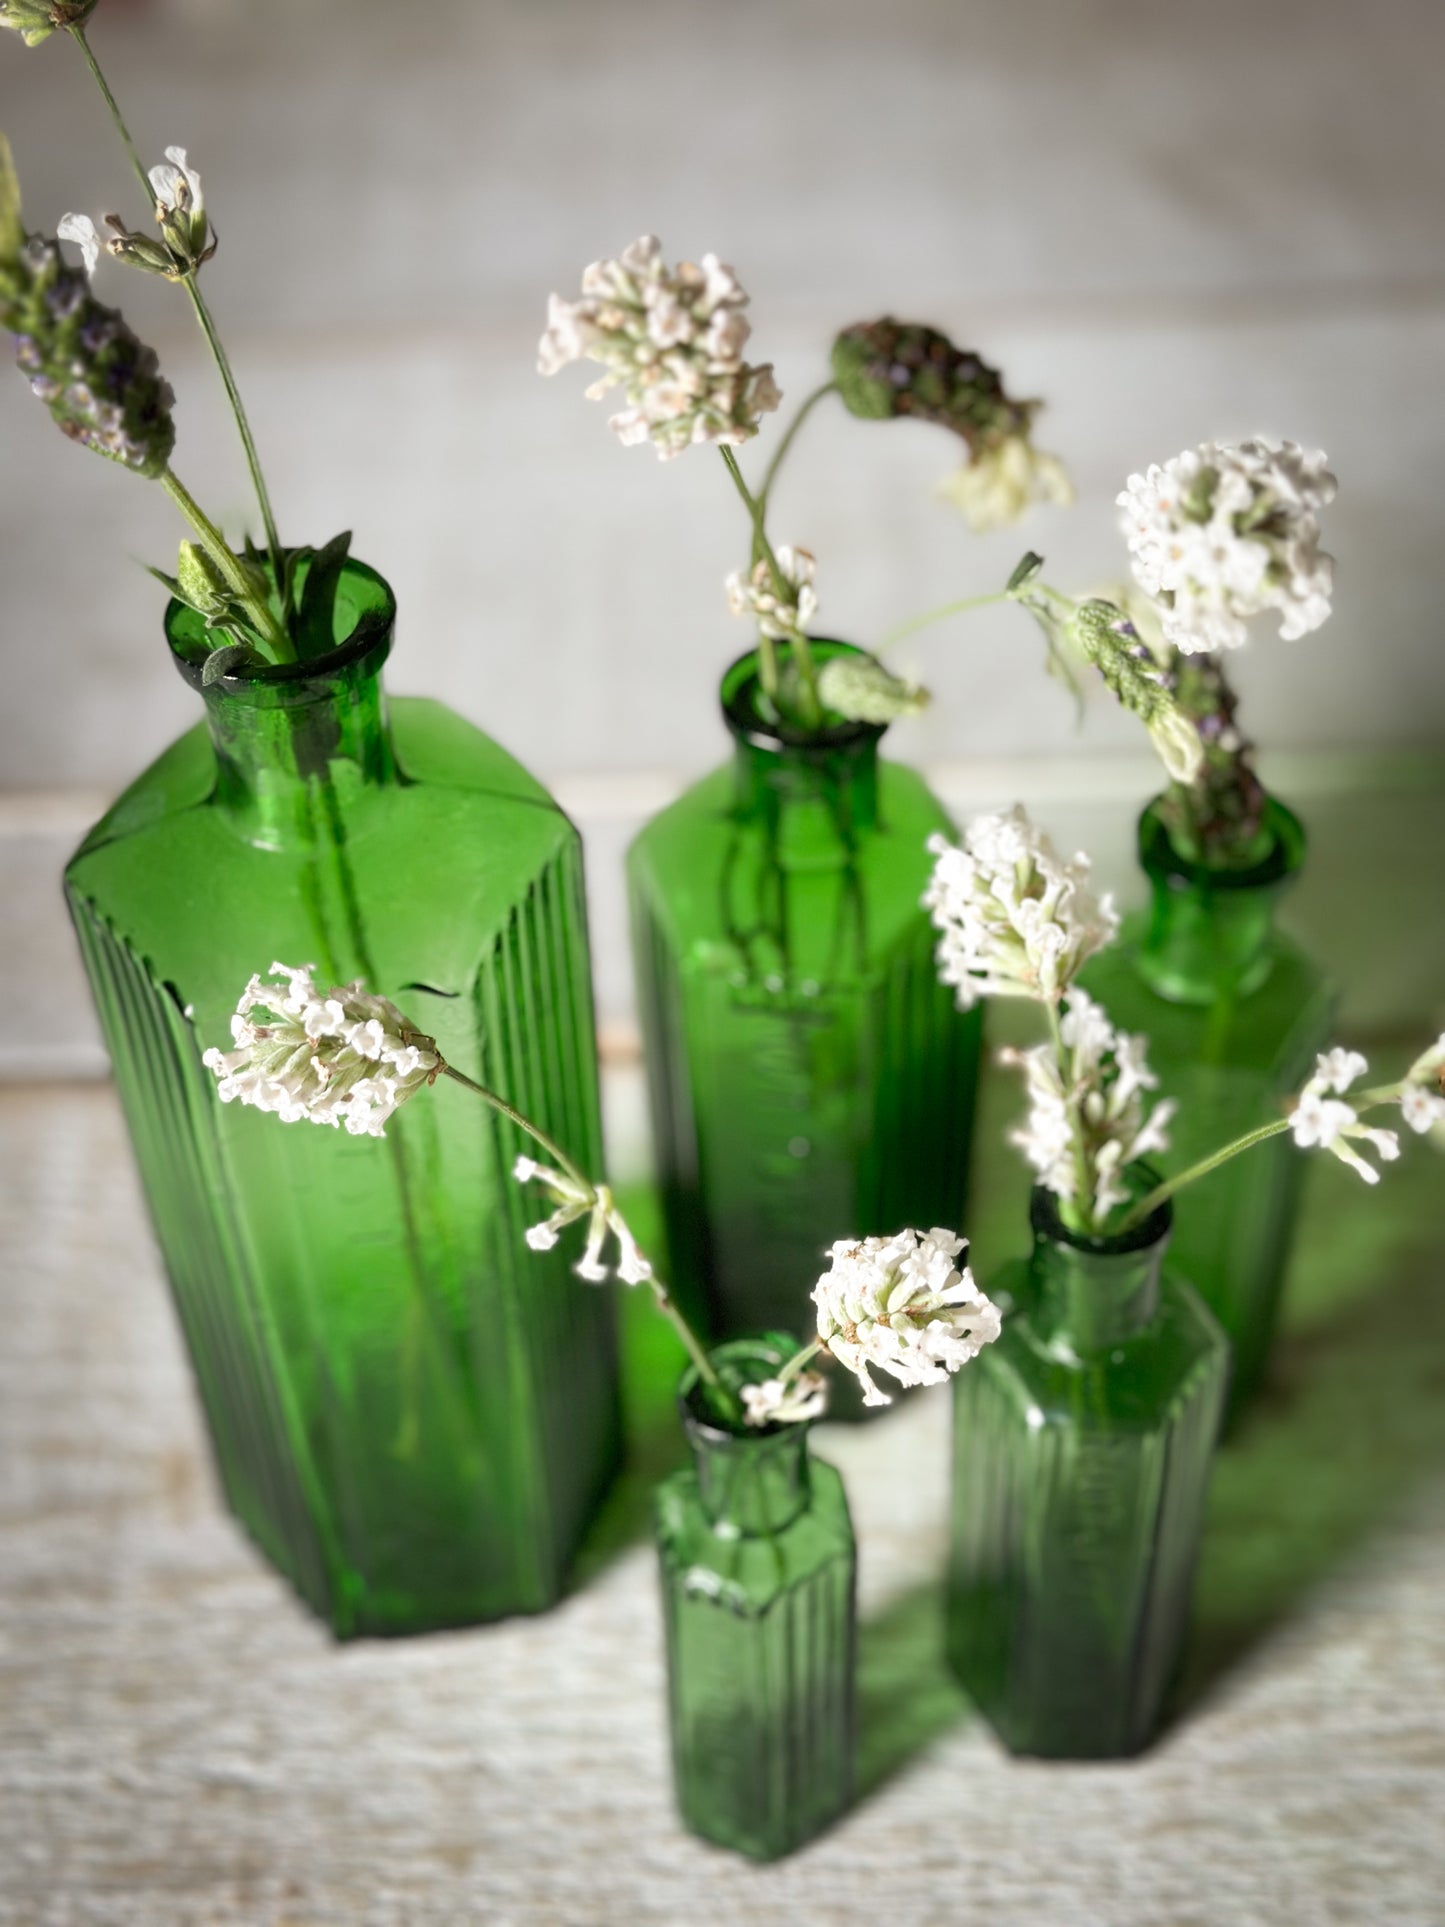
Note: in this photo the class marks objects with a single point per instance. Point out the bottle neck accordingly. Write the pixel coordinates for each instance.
(814, 795)
(284, 769)
(1092, 1293)
(1211, 928)
(752, 1484)
(297, 743)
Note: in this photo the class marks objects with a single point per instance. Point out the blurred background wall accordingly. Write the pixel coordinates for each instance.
(1173, 222)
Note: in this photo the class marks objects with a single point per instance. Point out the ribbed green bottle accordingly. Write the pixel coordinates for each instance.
(413, 1414)
(757, 1560)
(810, 1078)
(1235, 1013)
(1083, 1440)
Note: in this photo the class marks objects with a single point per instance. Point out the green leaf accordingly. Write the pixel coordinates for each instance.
(12, 228)
(167, 582)
(1029, 566)
(221, 662)
(315, 619)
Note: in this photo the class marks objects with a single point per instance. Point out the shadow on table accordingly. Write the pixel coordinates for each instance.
(907, 1697)
(1351, 1426)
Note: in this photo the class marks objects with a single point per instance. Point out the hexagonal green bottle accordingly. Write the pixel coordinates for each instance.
(1235, 1012)
(810, 1078)
(1083, 1440)
(758, 1570)
(414, 1415)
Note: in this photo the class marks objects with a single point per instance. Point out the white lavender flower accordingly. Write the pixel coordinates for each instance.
(780, 608)
(80, 229)
(1422, 1102)
(1087, 1119)
(1321, 1117)
(672, 339)
(793, 1401)
(900, 1305)
(181, 207)
(1225, 532)
(1002, 481)
(574, 1201)
(341, 1056)
(1015, 920)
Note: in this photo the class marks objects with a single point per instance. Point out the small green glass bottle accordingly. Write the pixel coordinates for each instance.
(413, 1414)
(758, 1567)
(1083, 1440)
(1235, 1013)
(810, 1078)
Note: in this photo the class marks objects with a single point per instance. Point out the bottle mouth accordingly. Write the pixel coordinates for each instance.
(741, 688)
(742, 1361)
(365, 613)
(1045, 1221)
(1280, 861)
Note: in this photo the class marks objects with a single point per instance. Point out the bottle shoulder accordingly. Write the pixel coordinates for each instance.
(1138, 1385)
(749, 1575)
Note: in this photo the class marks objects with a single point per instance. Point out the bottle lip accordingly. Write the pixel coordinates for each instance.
(739, 687)
(770, 1350)
(1045, 1221)
(367, 646)
(1280, 862)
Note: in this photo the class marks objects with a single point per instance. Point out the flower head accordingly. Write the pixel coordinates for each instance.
(866, 691)
(181, 209)
(793, 1401)
(102, 386)
(901, 1305)
(36, 20)
(1015, 920)
(672, 339)
(1321, 1117)
(1422, 1095)
(1107, 637)
(1087, 1118)
(341, 1056)
(1003, 480)
(888, 369)
(782, 606)
(1225, 532)
(575, 1199)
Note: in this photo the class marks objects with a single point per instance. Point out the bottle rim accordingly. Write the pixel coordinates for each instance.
(367, 645)
(739, 687)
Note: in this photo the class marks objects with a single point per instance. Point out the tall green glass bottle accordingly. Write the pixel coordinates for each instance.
(413, 1414)
(756, 1551)
(1083, 1441)
(1234, 1012)
(810, 1078)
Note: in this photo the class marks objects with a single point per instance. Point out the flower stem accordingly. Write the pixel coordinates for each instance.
(805, 408)
(243, 428)
(812, 709)
(930, 616)
(226, 561)
(203, 316)
(662, 1297)
(1151, 1201)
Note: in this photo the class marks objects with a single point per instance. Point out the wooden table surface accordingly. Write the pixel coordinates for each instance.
(181, 1743)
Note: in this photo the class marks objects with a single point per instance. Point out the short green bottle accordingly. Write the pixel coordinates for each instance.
(809, 1076)
(1235, 1012)
(1083, 1440)
(758, 1570)
(413, 1414)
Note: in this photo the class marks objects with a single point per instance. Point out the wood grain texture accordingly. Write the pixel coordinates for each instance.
(180, 1743)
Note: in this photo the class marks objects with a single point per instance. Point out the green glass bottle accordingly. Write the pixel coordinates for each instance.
(1235, 1013)
(413, 1414)
(1083, 1441)
(810, 1078)
(757, 1560)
